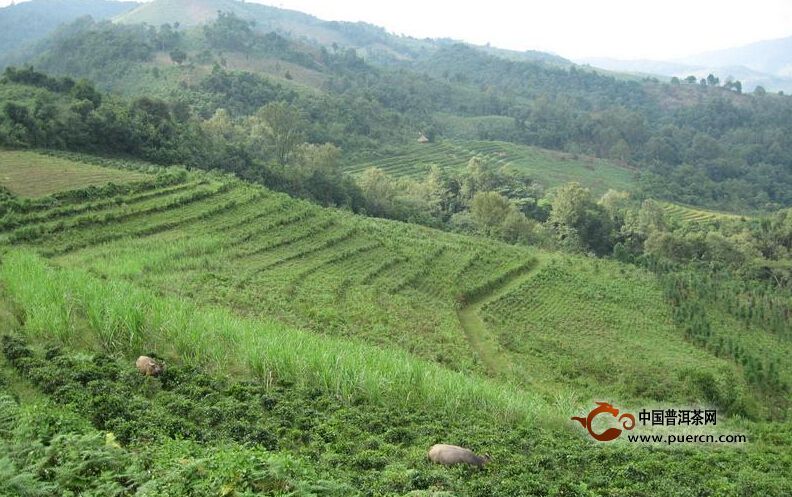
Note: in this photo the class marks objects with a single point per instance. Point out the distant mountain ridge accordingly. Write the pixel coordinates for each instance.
(770, 56)
(765, 63)
(28, 22)
(373, 42)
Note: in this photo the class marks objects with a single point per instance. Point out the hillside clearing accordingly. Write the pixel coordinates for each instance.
(547, 167)
(30, 174)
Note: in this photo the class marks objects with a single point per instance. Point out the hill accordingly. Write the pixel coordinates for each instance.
(26, 174)
(748, 75)
(194, 13)
(685, 214)
(710, 145)
(770, 56)
(218, 241)
(372, 42)
(765, 63)
(339, 345)
(25, 23)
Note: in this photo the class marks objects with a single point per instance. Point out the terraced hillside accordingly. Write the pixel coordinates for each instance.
(685, 214)
(549, 168)
(601, 328)
(224, 242)
(471, 304)
(348, 404)
(30, 174)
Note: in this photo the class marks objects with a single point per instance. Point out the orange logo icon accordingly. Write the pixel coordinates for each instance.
(627, 421)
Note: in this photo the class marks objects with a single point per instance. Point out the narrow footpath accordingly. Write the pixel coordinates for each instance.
(481, 340)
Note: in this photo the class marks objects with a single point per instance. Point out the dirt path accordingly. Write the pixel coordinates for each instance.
(484, 343)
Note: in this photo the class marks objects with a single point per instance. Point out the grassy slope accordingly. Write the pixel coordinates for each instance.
(221, 242)
(266, 254)
(600, 328)
(395, 285)
(28, 174)
(335, 418)
(547, 167)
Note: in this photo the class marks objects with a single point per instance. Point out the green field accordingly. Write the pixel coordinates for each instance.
(30, 174)
(224, 242)
(549, 168)
(469, 304)
(601, 329)
(315, 352)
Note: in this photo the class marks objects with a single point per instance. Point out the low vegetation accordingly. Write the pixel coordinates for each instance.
(28, 174)
(684, 214)
(270, 255)
(190, 432)
(546, 167)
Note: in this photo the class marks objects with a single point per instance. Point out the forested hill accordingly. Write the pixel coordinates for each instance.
(27, 22)
(699, 143)
(374, 42)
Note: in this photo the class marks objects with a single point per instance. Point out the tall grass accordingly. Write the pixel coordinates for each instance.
(73, 306)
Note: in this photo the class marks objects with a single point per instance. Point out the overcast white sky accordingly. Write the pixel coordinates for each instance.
(571, 28)
(574, 28)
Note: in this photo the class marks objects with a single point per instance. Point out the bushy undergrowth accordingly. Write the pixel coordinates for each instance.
(102, 429)
(47, 449)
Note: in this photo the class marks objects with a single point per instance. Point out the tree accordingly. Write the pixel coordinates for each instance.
(230, 32)
(574, 211)
(759, 91)
(733, 85)
(666, 245)
(434, 192)
(167, 36)
(517, 228)
(379, 191)
(704, 147)
(652, 217)
(712, 80)
(24, 129)
(489, 210)
(478, 177)
(178, 56)
(220, 126)
(615, 203)
(674, 80)
(282, 127)
(691, 80)
(84, 90)
(569, 204)
(620, 150)
(318, 159)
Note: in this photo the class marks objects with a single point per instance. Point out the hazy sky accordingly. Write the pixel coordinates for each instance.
(571, 28)
(574, 28)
